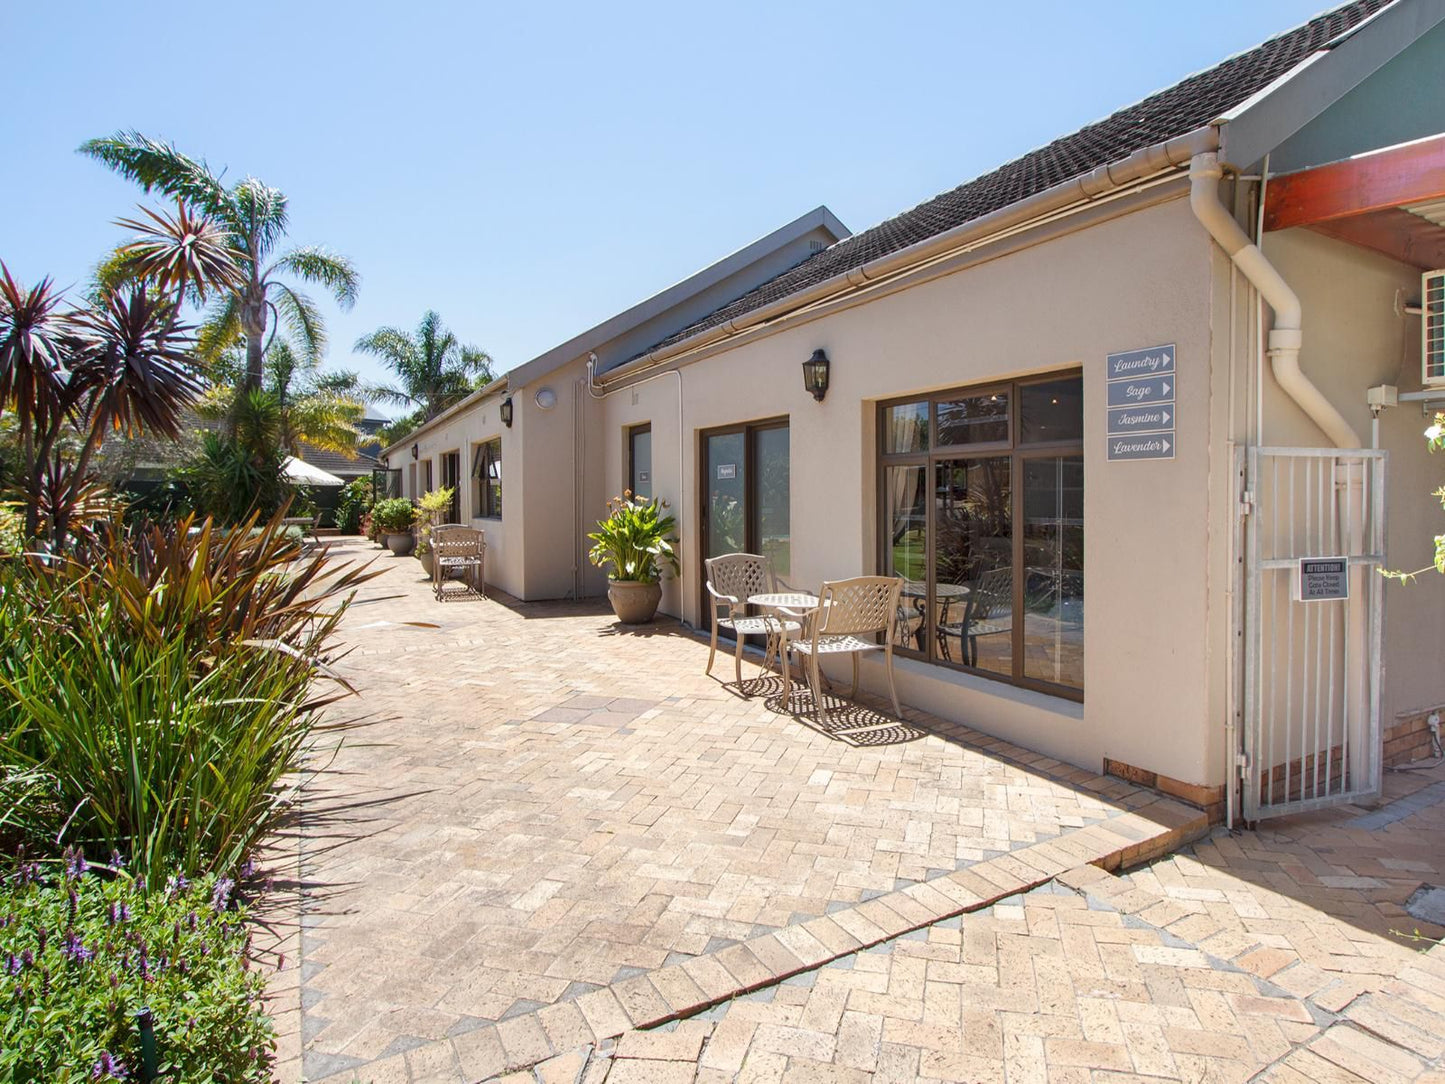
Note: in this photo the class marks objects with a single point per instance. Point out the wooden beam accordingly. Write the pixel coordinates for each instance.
(1395, 233)
(1410, 173)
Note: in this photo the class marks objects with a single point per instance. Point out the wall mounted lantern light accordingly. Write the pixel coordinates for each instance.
(505, 412)
(815, 375)
(415, 450)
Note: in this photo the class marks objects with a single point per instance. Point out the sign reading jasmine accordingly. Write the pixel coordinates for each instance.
(1140, 393)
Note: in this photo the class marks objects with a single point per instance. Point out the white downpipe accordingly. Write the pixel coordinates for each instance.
(1285, 340)
(1285, 336)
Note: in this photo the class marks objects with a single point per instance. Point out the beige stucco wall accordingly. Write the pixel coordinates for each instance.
(1354, 339)
(461, 433)
(1138, 280)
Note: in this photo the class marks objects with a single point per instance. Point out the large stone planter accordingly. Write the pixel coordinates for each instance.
(402, 544)
(425, 557)
(634, 603)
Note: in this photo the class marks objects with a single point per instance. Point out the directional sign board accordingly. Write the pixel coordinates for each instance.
(1142, 446)
(1324, 579)
(1143, 419)
(1140, 399)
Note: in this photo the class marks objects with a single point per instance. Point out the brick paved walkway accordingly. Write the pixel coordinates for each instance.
(1252, 956)
(557, 830)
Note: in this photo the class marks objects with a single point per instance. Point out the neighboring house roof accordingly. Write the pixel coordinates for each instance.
(1188, 105)
(337, 463)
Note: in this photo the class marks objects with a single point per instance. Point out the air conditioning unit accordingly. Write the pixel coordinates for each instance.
(1432, 329)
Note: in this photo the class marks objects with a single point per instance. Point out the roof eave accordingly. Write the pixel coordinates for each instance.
(1269, 117)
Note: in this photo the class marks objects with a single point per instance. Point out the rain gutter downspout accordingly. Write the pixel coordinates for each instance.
(1285, 337)
(1077, 191)
(1285, 340)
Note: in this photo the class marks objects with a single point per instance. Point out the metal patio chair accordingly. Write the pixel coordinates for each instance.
(987, 611)
(849, 616)
(459, 549)
(731, 579)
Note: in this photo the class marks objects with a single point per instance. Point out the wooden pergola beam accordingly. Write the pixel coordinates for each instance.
(1410, 173)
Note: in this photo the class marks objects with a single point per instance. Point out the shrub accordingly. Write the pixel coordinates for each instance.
(636, 539)
(394, 515)
(432, 506)
(81, 955)
(160, 691)
(353, 503)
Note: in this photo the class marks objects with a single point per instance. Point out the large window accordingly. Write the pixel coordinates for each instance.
(982, 508)
(487, 474)
(639, 461)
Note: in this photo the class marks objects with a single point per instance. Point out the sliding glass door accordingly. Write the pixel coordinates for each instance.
(745, 493)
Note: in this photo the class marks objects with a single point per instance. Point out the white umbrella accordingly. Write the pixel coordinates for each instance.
(303, 473)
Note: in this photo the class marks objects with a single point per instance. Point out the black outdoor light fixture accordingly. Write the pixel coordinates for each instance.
(815, 375)
(505, 412)
(415, 451)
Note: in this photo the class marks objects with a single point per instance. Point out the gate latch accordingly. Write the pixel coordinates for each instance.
(1246, 502)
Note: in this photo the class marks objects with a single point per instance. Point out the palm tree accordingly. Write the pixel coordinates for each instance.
(433, 368)
(255, 217)
(323, 410)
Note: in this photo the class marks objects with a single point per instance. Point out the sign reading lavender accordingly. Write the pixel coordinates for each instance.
(1140, 399)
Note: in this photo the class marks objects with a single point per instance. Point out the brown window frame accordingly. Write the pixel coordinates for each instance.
(487, 505)
(929, 459)
(751, 542)
(633, 432)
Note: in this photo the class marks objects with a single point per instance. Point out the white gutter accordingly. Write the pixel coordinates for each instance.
(1286, 337)
(1076, 191)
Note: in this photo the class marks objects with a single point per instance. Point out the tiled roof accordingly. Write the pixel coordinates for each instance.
(335, 462)
(1182, 108)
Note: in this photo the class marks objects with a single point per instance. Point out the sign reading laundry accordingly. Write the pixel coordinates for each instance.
(1152, 361)
(1140, 393)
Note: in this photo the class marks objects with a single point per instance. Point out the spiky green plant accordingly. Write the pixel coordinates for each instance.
(157, 697)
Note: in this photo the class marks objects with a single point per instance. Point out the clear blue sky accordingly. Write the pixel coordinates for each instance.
(530, 169)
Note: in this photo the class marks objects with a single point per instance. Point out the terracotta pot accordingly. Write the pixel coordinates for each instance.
(400, 545)
(633, 602)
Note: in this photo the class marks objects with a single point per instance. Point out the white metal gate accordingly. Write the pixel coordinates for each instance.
(1312, 675)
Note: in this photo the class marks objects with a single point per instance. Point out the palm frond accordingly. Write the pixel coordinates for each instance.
(476, 360)
(261, 215)
(299, 313)
(391, 345)
(311, 263)
(157, 166)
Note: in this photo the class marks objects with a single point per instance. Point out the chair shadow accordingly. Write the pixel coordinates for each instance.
(864, 723)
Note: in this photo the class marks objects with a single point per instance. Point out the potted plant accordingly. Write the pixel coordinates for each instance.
(394, 518)
(636, 539)
(434, 506)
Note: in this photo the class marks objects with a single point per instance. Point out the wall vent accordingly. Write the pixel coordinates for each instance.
(1432, 329)
(816, 246)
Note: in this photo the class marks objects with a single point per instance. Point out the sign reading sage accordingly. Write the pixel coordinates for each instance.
(1139, 395)
(1324, 579)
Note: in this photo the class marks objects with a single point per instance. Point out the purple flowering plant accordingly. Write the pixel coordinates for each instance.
(83, 950)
